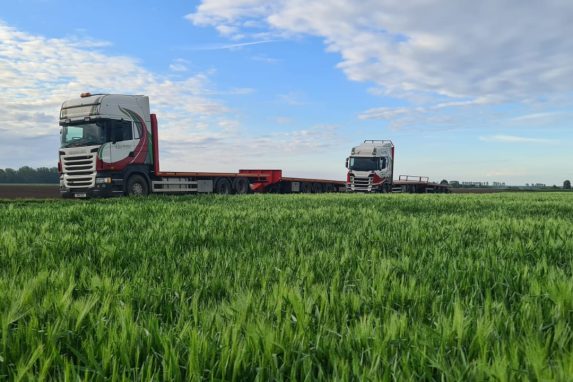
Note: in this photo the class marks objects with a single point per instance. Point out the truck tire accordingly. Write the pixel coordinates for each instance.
(329, 188)
(137, 186)
(316, 188)
(241, 186)
(223, 186)
(306, 188)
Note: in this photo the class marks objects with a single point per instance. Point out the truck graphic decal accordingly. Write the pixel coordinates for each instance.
(117, 156)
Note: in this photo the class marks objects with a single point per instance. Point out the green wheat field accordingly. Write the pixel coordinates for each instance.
(288, 287)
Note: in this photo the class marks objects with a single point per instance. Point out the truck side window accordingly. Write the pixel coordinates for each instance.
(121, 131)
(382, 163)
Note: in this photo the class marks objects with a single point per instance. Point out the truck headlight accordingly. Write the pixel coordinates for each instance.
(103, 180)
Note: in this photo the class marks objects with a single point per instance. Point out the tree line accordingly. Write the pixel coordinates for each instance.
(28, 174)
(566, 184)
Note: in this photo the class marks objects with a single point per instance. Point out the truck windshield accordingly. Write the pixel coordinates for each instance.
(84, 134)
(366, 163)
(96, 132)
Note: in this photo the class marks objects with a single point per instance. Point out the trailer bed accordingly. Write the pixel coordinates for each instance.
(417, 185)
(199, 174)
(323, 181)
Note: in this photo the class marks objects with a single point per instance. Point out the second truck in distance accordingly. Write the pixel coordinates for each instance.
(371, 169)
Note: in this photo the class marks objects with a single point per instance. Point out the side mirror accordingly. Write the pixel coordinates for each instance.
(346, 162)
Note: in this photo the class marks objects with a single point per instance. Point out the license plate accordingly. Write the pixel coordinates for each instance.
(81, 195)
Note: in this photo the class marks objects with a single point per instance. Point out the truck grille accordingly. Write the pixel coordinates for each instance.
(361, 184)
(79, 170)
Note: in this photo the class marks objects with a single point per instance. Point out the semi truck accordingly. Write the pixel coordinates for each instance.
(371, 169)
(109, 147)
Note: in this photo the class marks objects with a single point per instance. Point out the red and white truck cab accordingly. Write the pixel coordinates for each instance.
(105, 139)
(370, 167)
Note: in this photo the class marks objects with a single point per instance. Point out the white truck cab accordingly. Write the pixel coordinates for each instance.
(104, 139)
(370, 167)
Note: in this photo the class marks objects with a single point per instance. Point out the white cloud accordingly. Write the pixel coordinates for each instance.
(292, 99)
(265, 59)
(179, 65)
(516, 139)
(233, 46)
(297, 152)
(543, 119)
(533, 116)
(37, 74)
(384, 113)
(225, 13)
(283, 120)
(472, 53)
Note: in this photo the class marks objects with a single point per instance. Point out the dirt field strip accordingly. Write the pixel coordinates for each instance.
(26, 191)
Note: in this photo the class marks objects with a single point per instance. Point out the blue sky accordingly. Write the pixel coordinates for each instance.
(469, 91)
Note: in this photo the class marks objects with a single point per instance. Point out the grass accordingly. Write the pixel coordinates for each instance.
(278, 287)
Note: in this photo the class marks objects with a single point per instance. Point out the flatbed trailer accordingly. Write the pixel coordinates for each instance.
(242, 182)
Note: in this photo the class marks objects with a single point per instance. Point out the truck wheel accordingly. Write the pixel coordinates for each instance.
(316, 188)
(223, 186)
(241, 186)
(137, 186)
(306, 188)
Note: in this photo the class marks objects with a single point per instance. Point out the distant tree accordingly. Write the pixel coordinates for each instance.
(444, 182)
(567, 185)
(28, 174)
(47, 175)
(10, 175)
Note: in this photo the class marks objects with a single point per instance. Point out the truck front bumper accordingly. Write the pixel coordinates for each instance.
(100, 190)
(90, 193)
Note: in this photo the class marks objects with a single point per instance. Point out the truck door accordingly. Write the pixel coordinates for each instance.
(388, 166)
(123, 143)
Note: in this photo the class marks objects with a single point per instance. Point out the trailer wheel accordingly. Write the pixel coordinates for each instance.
(329, 188)
(306, 188)
(137, 186)
(223, 186)
(316, 188)
(241, 186)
